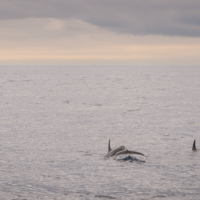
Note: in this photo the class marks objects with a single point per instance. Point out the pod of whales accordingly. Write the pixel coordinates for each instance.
(194, 146)
(119, 151)
(123, 150)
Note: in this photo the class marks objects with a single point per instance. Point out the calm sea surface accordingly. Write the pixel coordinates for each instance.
(55, 123)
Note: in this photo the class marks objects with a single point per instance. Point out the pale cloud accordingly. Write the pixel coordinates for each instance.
(45, 28)
(55, 25)
(77, 42)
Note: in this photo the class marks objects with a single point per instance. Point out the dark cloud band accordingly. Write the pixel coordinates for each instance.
(137, 17)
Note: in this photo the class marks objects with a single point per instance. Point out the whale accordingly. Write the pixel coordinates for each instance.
(194, 146)
(120, 150)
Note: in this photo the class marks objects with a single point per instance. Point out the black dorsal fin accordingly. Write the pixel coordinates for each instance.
(194, 146)
(109, 149)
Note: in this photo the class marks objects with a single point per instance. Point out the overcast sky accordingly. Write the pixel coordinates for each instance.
(100, 32)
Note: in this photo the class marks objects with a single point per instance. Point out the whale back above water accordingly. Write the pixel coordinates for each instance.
(120, 151)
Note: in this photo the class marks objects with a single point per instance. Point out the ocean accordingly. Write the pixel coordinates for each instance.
(55, 124)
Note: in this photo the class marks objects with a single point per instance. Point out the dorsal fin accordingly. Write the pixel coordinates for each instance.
(194, 146)
(109, 149)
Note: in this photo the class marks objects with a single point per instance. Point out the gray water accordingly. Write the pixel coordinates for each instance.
(55, 123)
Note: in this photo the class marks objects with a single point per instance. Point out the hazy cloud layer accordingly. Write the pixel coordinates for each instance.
(137, 17)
